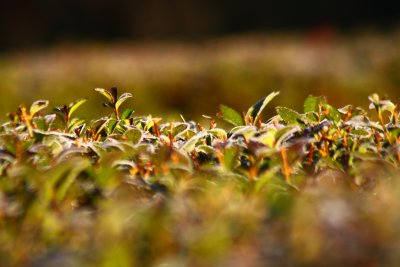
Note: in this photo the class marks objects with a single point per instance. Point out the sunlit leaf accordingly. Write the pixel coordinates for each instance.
(122, 99)
(374, 99)
(267, 138)
(346, 109)
(76, 104)
(37, 106)
(111, 125)
(190, 144)
(218, 133)
(54, 133)
(75, 123)
(255, 111)
(387, 105)
(106, 94)
(309, 117)
(102, 124)
(179, 128)
(288, 115)
(245, 131)
(333, 114)
(230, 115)
(127, 113)
(312, 103)
(230, 158)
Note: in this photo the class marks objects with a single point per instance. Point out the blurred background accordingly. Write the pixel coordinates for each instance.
(188, 56)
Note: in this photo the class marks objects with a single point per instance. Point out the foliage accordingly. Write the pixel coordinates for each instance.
(310, 188)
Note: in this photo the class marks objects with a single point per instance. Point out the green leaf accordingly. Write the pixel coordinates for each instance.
(111, 125)
(44, 123)
(309, 117)
(267, 138)
(74, 105)
(133, 135)
(230, 157)
(102, 124)
(312, 103)
(258, 107)
(127, 113)
(75, 123)
(218, 133)
(122, 99)
(190, 144)
(288, 115)
(40, 123)
(246, 132)
(334, 114)
(37, 106)
(230, 115)
(106, 94)
(178, 128)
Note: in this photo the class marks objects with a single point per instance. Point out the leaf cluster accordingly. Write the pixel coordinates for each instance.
(65, 184)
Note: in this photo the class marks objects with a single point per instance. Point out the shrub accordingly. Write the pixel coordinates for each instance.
(313, 188)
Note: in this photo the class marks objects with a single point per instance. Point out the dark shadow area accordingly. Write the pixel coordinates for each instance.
(27, 23)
